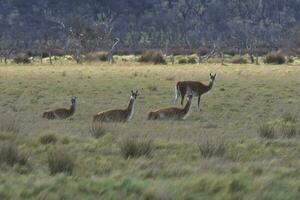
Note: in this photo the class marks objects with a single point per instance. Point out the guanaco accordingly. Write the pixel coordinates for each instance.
(197, 88)
(118, 115)
(172, 113)
(61, 113)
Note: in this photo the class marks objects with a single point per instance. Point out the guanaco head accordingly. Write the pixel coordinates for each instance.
(212, 77)
(134, 95)
(73, 100)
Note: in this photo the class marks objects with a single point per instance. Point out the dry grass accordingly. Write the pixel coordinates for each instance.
(60, 162)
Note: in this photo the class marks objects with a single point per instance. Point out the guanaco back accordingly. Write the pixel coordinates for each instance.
(172, 113)
(61, 113)
(118, 115)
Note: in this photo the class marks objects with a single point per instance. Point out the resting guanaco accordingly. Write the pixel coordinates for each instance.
(61, 113)
(118, 115)
(173, 112)
(196, 87)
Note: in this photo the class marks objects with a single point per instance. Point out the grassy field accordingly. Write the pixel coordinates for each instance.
(242, 99)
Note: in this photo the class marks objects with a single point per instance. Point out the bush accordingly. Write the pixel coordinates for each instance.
(275, 58)
(209, 149)
(288, 131)
(133, 147)
(97, 130)
(60, 162)
(239, 60)
(192, 60)
(266, 131)
(9, 154)
(97, 56)
(155, 57)
(47, 139)
(22, 58)
(182, 61)
(290, 59)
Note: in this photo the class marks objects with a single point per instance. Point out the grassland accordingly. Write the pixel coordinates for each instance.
(243, 98)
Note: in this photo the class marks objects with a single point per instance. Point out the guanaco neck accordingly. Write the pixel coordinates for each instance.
(72, 108)
(210, 84)
(130, 105)
(187, 106)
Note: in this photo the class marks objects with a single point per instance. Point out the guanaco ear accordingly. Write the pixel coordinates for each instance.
(131, 91)
(137, 92)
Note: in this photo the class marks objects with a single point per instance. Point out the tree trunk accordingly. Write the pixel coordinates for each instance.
(222, 58)
(50, 56)
(256, 60)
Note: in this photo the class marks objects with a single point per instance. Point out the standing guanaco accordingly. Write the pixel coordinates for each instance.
(61, 113)
(118, 115)
(173, 112)
(196, 87)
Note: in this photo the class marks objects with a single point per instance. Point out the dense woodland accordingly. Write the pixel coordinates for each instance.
(173, 26)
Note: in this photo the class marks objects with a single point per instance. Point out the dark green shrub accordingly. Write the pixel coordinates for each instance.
(192, 60)
(182, 61)
(155, 57)
(97, 56)
(275, 58)
(22, 58)
(47, 139)
(288, 131)
(209, 148)
(266, 131)
(134, 147)
(9, 154)
(239, 60)
(60, 162)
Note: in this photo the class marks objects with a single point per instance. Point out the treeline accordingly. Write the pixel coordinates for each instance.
(172, 26)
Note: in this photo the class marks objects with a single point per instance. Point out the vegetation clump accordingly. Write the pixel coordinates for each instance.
(48, 139)
(60, 162)
(135, 147)
(275, 58)
(209, 148)
(9, 154)
(10, 126)
(97, 56)
(289, 131)
(182, 61)
(155, 57)
(266, 131)
(192, 60)
(22, 58)
(239, 60)
(97, 130)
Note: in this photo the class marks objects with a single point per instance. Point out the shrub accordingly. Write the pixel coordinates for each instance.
(97, 56)
(97, 130)
(155, 57)
(10, 126)
(266, 131)
(182, 61)
(60, 162)
(133, 147)
(22, 58)
(9, 154)
(275, 58)
(290, 59)
(192, 60)
(288, 131)
(239, 60)
(209, 149)
(47, 139)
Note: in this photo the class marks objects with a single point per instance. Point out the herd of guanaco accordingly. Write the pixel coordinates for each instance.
(183, 88)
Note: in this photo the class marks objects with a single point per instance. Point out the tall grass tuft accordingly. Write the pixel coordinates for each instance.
(48, 139)
(136, 147)
(155, 57)
(209, 148)
(289, 117)
(9, 154)
(289, 131)
(266, 131)
(275, 58)
(97, 130)
(10, 126)
(60, 162)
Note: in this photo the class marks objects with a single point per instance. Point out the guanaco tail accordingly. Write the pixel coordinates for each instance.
(172, 113)
(61, 113)
(118, 115)
(197, 88)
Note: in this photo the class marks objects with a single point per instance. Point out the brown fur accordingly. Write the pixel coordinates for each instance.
(171, 113)
(117, 115)
(61, 113)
